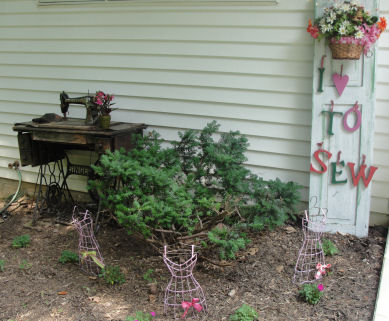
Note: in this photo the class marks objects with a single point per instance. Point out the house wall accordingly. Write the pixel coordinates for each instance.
(176, 67)
(380, 187)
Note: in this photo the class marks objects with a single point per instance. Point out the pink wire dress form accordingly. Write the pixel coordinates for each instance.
(182, 287)
(311, 252)
(88, 247)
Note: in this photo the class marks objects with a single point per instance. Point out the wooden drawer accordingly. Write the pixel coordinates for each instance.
(28, 150)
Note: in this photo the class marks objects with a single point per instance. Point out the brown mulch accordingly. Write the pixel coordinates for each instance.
(35, 286)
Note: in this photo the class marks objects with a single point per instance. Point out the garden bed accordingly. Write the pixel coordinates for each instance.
(35, 286)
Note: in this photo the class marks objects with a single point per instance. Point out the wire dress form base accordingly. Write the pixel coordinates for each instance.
(88, 247)
(311, 252)
(182, 286)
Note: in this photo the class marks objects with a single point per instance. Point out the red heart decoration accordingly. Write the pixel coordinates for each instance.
(340, 82)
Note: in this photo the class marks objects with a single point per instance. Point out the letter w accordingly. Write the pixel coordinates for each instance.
(361, 173)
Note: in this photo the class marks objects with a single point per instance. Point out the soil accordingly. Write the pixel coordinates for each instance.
(35, 286)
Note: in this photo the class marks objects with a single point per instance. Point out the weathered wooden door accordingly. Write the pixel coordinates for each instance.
(337, 127)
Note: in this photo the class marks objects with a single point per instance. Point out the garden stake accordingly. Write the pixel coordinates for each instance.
(311, 253)
(184, 296)
(91, 261)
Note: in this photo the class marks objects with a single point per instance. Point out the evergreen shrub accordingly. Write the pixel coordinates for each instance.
(195, 190)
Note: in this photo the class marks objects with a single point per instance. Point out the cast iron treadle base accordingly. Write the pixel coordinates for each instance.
(53, 192)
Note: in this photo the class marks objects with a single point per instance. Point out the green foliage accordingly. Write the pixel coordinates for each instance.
(68, 256)
(147, 276)
(311, 293)
(21, 241)
(188, 188)
(149, 197)
(2, 265)
(112, 275)
(141, 316)
(329, 248)
(244, 313)
(229, 242)
(270, 203)
(24, 265)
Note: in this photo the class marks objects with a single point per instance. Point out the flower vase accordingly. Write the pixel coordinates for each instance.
(105, 121)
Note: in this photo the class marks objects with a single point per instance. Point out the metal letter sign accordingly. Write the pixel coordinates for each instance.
(343, 185)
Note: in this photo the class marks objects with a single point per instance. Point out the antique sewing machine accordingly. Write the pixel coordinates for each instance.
(92, 113)
(45, 144)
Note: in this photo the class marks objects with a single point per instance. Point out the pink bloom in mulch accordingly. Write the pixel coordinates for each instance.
(320, 287)
(153, 314)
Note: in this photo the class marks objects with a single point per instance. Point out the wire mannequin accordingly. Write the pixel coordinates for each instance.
(311, 253)
(91, 261)
(184, 296)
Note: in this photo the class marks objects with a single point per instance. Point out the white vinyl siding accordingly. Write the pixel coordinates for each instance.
(176, 67)
(380, 187)
(183, 2)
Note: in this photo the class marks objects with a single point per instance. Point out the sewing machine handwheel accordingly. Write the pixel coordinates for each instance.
(64, 105)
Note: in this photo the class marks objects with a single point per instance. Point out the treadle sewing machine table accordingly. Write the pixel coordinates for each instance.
(45, 145)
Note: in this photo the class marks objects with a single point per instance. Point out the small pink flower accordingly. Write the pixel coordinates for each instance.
(99, 102)
(320, 287)
(153, 314)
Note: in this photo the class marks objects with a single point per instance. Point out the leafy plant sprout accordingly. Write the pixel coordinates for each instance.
(141, 316)
(21, 241)
(244, 313)
(24, 265)
(329, 248)
(311, 293)
(147, 276)
(68, 256)
(2, 264)
(112, 275)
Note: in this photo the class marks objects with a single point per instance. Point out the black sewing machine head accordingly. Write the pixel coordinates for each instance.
(92, 113)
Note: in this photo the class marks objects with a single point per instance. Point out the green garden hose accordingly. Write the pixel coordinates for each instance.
(15, 166)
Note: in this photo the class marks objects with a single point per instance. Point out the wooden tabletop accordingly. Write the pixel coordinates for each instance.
(77, 125)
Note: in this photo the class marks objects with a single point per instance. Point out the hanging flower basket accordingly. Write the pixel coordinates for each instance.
(350, 51)
(349, 28)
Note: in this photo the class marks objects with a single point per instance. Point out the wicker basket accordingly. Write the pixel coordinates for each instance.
(348, 51)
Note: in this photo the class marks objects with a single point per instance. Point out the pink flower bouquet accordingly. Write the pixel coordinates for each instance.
(104, 102)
